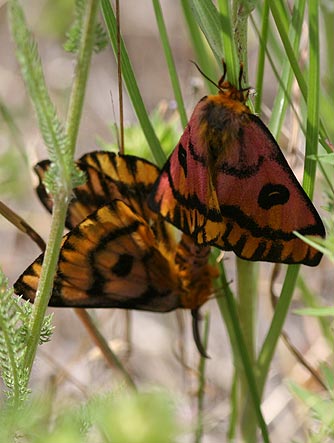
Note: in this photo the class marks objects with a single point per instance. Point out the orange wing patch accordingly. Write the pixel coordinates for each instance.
(113, 259)
(122, 255)
(109, 177)
(228, 184)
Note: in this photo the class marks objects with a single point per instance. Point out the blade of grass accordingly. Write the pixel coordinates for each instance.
(312, 128)
(276, 121)
(274, 48)
(102, 344)
(207, 17)
(15, 132)
(83, 60)
(246, 297)
(170, 62)
(277, 9)
(247, 281)
(247, 365)
(278, 12)
(227, 321)
(248, 277)
(234, 38)
(203, 57)
(328, 17)
(228, 41)
(131, 85)
(282, 98)
(269, 345)
(227, 305)
(234, 406)
(311, 300)
(201, 382)
(263, 36)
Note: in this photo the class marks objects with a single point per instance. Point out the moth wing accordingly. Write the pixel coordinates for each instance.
(109, 177)
(184, 193)
(132, 176)
(110, 260)
(262, 202)
(97, 191)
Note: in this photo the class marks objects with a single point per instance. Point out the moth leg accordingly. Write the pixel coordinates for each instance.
(197, 337)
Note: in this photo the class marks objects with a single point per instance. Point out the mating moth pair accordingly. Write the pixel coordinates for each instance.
(226, 184)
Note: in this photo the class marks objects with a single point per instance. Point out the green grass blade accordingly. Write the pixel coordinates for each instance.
(208, 19)
(85, 50)
(204, 58)
(263, 36)
(228, 41)
(170, 62)
(131, 85)
(277, 9)
(201, 383)
(282, 98)
(269, 346)
(313, 91)
(15, 133)
(276, 121)
(229, 313)
(311, 300)
(248, 368)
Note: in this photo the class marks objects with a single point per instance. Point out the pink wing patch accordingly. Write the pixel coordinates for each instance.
(228, 184)
(184, 192)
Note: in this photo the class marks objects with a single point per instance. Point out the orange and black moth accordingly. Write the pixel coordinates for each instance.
(118, 253)
(228, 184)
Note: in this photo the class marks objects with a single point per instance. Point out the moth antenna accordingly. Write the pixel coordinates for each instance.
(205, 76)
(241, 72)
(222, 78)
(224, 70)
(197, 337)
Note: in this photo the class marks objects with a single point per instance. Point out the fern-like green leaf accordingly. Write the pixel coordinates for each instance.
(12, 344)
(101, 38)
(51, 128)
(47, 329)
(72, 43)
(14, 321)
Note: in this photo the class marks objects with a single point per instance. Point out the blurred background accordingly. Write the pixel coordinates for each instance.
(157, 349)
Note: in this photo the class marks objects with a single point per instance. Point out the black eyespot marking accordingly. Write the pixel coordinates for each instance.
(123, 266)
(182, 156)
(272, 195)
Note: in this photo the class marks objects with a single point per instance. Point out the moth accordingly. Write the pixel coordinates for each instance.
(228, 184)
(118, 253)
